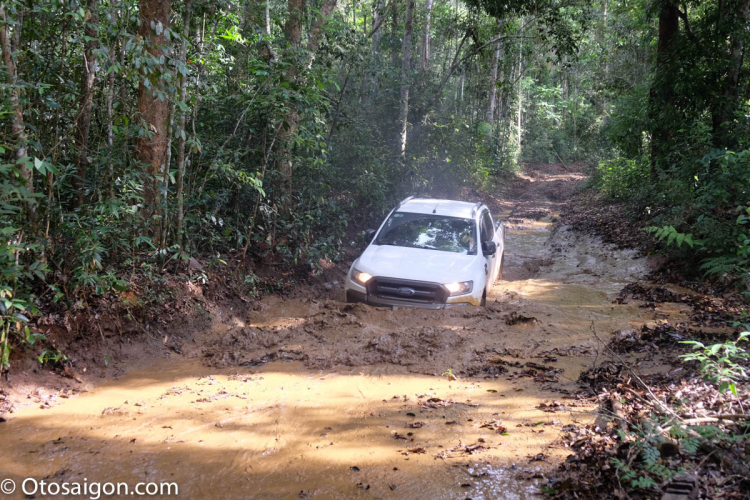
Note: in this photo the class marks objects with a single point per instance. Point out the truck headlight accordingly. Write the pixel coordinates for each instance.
(360, 277)
(460, 288)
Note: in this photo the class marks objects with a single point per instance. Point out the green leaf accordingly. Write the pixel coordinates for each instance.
(671, 238)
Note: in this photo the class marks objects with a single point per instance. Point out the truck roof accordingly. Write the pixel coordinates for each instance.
(450, 208)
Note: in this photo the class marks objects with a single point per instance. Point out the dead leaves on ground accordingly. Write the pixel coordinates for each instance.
(494, 425)
(463, 450)
(415, 450)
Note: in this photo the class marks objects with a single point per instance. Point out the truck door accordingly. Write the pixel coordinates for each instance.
(487, 233)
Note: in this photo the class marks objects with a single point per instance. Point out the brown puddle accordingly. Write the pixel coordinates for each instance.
(318, 399)
(280, 431)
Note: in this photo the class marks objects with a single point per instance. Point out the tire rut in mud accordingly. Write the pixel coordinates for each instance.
(334, 334)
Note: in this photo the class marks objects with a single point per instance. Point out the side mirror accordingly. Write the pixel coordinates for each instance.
(498, 223)
(489, 247)
(369, 235)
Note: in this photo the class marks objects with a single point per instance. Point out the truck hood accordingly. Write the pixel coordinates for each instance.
(416, 264)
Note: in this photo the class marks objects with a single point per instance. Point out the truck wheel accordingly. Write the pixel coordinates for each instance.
(483, 303)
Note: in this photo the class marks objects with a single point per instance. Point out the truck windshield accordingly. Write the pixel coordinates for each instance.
(432, 232)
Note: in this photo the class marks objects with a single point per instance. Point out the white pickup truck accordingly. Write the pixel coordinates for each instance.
(430, 254)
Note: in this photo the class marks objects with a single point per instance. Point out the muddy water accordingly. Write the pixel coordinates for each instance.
(317, 399)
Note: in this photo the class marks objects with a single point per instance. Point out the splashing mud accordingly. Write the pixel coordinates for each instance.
(307, 398)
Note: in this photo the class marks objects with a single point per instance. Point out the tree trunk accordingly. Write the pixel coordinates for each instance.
(575, 119)
(258, 14)
(18, 128)
(493, 87)
(463, 82)
(164, 177)
(110, 131)
(394, 32)
(370, 72)
(726, 107)
(114, 52)
(662, 97)
(426, 37)
(293, 32)
(316, 31)
(86, 102)
(181, 126)
(405, 78)
(519, 130)
(377, 27)
(153, 102)
(268, 18)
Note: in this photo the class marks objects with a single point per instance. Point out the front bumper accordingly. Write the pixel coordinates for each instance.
(368, 295)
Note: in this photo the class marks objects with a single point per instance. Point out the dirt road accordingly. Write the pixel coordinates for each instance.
(319, 399)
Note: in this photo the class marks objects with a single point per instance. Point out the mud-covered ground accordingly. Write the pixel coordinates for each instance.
(312, 397)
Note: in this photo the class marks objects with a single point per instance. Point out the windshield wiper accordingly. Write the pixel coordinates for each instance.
(405, 246)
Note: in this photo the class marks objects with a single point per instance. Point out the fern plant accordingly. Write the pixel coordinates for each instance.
(651, 469)
(724, 265)
(671, 235)
(720, 363)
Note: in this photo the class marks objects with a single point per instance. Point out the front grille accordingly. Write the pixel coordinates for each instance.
(416, 292)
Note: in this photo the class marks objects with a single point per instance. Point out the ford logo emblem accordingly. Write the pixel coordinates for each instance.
(405, 291)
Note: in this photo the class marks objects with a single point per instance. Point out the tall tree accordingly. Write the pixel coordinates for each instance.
(182, 120)
(153, 99)
(661, 99)
(267, 9)
(519, 129)
(86, 100)
(394, 31)
(378, 18)
(377, 22)
(18, 127)
(257, 20)
(293, 34)
(299, 62)
(733, 24)
(427, 32)
(493, 86)
(114, 51)
(403, 116)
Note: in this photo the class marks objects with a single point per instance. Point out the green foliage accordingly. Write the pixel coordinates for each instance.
(680, 156)
(20, 267)
(623, 178)
(644, 468)
(650, 470)
(699, 212)
(713, 209)
(626, 128)
(52, 357)
(721, 363)
(559, 127)
(669, 236)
